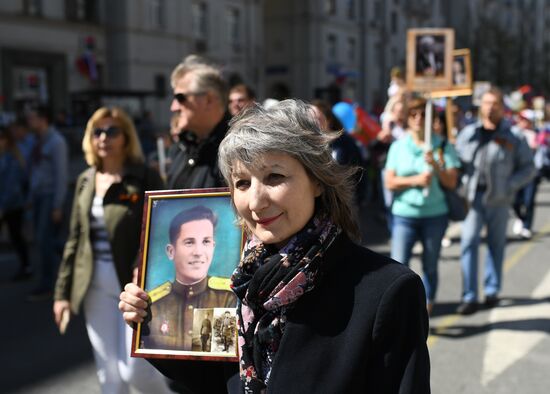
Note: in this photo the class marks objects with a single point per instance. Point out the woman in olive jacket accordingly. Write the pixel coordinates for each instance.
(103, 245)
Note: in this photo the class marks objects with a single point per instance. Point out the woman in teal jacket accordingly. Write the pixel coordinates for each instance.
(415, 175)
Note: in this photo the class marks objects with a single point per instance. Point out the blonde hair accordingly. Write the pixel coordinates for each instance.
(132, 151)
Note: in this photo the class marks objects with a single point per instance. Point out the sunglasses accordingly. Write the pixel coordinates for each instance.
(110, 132)
(182, 97)
(414, 114)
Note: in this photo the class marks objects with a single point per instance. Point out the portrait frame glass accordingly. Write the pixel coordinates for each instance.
(462, 80)
(429, 59)
(191, 242)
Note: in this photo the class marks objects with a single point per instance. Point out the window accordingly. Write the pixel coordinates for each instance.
(32, 7)
(233, 28)
(352, 49)
(350, 9)
(155, 13)
(81, 10)
(378, 10)
(332, 44)
(200, 20)
(394, 22)
(330, 7)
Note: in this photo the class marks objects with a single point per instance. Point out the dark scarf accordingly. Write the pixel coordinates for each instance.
(267, 283)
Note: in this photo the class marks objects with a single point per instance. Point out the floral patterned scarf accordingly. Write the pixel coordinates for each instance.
(267, 283)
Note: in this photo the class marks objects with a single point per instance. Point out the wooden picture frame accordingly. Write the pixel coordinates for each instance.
(461, 76)
(190, 245)
(429, 59)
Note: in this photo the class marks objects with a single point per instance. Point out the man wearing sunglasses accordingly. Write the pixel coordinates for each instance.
(200, 102)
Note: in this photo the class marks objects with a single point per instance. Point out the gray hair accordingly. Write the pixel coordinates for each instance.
(290, 127)
(207, 77)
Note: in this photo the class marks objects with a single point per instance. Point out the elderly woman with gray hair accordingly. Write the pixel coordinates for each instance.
(317, 312)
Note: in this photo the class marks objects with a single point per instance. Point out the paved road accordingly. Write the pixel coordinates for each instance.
(504, 350)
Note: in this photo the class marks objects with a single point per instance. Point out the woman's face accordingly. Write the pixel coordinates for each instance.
(416, 120)
(275, 198)
(437, 126)
(108, 138)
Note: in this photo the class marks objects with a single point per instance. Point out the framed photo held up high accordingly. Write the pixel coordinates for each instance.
(429, 59)
(190, 245)
(462, 76)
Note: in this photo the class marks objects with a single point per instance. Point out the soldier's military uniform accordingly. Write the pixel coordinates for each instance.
(227, 332)
(206, 331)
(171, 324)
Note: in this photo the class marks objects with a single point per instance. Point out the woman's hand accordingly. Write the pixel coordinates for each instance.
(422, 180)
(133, 304)
(135, 275)
(437, 165)
(394, 182)
(59, 307)
(429, 158)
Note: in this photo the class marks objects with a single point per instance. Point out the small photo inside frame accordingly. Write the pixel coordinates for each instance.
(462, 76)
(429, 59)
(190, 244)
(462, 69)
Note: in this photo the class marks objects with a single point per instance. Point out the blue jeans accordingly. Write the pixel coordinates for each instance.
(496, 219)
(47, 240)
(430, 232)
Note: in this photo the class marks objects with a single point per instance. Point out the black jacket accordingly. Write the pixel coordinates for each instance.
(195, 165)
(363, 329)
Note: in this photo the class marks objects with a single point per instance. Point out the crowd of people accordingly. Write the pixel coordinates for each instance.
(297, 173)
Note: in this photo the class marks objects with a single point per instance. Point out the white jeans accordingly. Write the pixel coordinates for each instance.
(111, 339)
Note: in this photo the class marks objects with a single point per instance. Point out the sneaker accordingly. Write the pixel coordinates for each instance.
(467, 308)
(525, 233)
(517, 227)
(491, 300)
(39, 295)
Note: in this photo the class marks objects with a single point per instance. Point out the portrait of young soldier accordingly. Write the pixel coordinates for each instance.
(191, 249)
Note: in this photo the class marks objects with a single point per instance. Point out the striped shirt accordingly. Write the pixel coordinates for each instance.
(100, 240)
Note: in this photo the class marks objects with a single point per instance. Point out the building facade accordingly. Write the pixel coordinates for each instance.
(77, 54)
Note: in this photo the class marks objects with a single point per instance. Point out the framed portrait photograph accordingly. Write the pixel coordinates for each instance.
(462, 76)
(429, 59)
(190, 244)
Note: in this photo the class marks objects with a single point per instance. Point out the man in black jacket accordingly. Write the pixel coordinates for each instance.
(200, 103)
(200, 100)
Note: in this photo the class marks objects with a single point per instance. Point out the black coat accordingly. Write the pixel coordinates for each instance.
(363, 329)
(195, 164)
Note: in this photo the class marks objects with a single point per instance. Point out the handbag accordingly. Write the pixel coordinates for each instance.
(457, 204)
